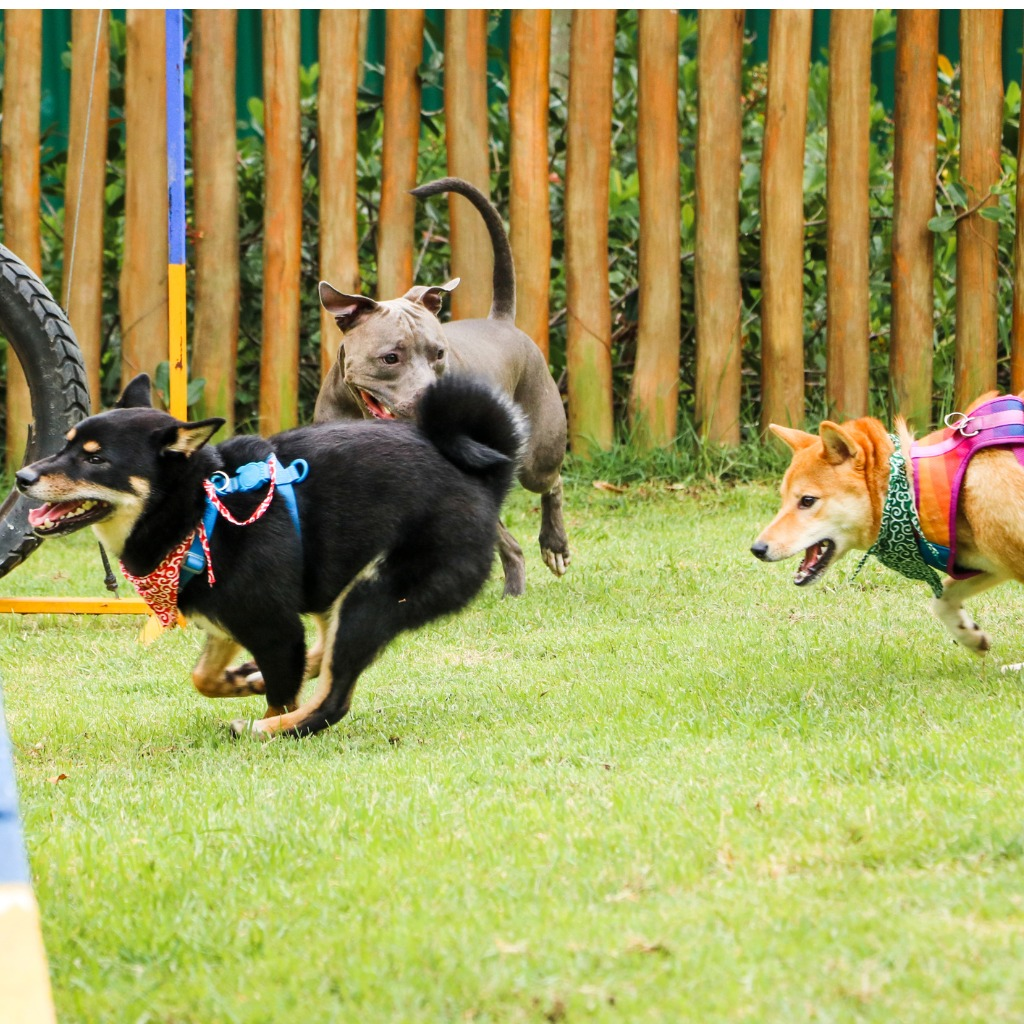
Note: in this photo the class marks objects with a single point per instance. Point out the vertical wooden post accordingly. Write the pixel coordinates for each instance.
(717, 271)
(1017, 329)
(913, 298)
(977, 239)
(654, 391)
(588, 341)
(143, 282)
(215, 209)
(465, 103)
(282, 223)
(340, 70)
(84, 199)
(402, 52)
(847, 239)
(782, 219)
(20, 145)
(529, 213)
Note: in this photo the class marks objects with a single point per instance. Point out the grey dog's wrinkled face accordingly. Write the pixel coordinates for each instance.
(393, 350)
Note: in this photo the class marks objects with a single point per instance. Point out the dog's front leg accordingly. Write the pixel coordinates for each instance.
(279, 647)
(950, 611)
(554, 543)
(212, 677)
(314, 657)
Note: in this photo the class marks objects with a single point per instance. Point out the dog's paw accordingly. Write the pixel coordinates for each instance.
(248, 678)
(515, 584)
(973, 638)
(556, 561)
(248, 728)
(964, 630)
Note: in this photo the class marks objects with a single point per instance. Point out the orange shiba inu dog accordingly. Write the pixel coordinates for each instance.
(842, 490)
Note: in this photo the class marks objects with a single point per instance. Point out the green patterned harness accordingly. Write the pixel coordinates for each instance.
(899, 536)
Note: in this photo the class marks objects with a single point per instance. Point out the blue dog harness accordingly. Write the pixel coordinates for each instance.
(250, 477)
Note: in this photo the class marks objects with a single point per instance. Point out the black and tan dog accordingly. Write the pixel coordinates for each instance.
(395, 525)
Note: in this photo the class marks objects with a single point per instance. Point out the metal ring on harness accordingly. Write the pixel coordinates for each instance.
(958, 424)
(220, 481)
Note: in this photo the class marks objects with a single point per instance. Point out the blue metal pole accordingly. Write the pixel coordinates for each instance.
(177, 355)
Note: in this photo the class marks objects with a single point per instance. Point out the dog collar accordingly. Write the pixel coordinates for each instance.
(901, 545)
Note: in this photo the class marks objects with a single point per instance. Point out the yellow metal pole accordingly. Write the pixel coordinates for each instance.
(72, 606)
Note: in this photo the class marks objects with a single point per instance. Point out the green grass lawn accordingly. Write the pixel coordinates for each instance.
(670, 787)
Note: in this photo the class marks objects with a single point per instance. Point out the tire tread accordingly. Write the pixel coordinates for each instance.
(44, 342)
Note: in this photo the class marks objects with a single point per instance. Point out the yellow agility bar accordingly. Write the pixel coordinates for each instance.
(178, 402)
(72, 606)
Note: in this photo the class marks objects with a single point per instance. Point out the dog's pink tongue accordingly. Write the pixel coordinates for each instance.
(376, 408)
(50, 513)
(810, 557)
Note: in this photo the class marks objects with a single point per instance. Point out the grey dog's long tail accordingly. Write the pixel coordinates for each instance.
(476, 427)
(503, 288)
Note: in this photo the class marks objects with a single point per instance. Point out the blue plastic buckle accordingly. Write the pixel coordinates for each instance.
(195, 560)
(252, 475)
(247, 478)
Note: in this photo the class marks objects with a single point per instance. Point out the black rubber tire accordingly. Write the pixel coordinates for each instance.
(41, 337)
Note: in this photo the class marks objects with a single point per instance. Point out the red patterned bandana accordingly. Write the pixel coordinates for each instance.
(160, 588)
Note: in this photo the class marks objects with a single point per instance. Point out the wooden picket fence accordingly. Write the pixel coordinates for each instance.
(653, 401)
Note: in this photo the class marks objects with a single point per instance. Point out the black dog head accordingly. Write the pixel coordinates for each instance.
(112, 465)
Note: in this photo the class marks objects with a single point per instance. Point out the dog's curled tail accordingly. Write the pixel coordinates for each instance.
(476, 427)
(503, 287)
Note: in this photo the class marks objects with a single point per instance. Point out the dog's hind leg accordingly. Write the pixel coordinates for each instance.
(384, 600)
(950, 612)
(361, 622)
(212, 677)
(554, 542)
(315, 655)
(513, 563)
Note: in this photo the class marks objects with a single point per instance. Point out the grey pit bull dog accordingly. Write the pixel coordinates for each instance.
(394, 349)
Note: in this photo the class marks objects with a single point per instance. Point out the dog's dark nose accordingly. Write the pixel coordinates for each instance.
(759, 549)
(26, 477)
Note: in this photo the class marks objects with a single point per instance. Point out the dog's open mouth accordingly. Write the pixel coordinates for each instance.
(67, 516)
(376, 408)
(816, 558)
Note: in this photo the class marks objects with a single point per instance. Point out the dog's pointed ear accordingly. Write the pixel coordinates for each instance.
(839, 443)
(433, 296)
(137, 394)
(187, 438)
(796, 439)
(347, 310)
